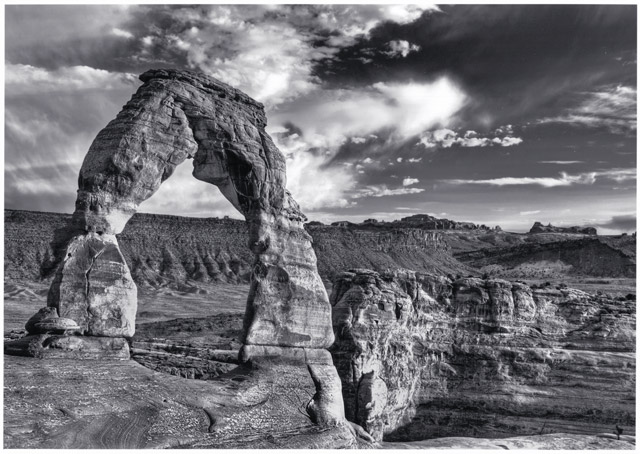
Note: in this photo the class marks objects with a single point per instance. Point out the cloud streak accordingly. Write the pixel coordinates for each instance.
(564, 179)
(384, 191)
(611, 107)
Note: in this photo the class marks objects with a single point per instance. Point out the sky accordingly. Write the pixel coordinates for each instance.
(498, 115)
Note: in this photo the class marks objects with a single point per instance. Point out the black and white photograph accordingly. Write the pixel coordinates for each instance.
(320, 226)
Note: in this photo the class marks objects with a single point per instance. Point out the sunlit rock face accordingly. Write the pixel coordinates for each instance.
(422, 356)
(94, 288)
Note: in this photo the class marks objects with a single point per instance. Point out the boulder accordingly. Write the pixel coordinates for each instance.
(56, 326)
(46, 313)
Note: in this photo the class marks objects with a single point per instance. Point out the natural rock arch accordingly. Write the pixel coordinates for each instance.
(176, 115)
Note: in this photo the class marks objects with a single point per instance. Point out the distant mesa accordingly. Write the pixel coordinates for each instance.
(538, 227)
(420, 221)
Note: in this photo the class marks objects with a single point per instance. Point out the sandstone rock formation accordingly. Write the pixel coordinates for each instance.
(422, 356)
(174, 116)
(538, 227)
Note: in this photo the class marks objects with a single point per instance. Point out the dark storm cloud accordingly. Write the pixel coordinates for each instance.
(517, 62)
(625, 223)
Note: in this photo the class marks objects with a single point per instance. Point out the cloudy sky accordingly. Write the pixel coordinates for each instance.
(491, 114)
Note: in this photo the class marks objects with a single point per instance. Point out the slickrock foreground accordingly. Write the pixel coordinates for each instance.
(70, 404)
(421, 356)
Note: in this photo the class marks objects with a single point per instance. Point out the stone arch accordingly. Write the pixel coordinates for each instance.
(176, 115)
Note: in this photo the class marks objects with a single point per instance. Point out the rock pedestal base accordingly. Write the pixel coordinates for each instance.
(326, 407)
(48, 346)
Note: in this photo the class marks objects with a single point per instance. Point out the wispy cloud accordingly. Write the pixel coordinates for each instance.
(122, 33)
(612, 107)
(384, 191)
(549, 182)
(527, 213)
(562, 163)
(26, 79)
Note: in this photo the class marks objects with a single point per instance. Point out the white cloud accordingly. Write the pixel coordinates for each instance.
(561, 162)
(409, 181)
(358, 140)
(329, 117)
(527, 213)
(121, 33)
(504, 130)
(400, 48)
(414, 159)
(311, 183)
(384, 191)
(203, 199)
(271, 61)
(446, 138)
(508, 141)
(564, 179)
(403, 14)
(613, 107)
(349, 22)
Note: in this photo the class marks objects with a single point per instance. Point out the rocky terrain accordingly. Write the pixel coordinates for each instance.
(495, 376)
(581, 256)
(421, 356)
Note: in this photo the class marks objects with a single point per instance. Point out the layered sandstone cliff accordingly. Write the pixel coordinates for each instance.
(422, 356)
(180, 252)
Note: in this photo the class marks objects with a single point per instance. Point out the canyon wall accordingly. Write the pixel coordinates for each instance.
(590, 256)
(180, 252)
(422, 356)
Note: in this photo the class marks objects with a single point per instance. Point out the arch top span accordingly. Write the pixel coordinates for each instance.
(176, 115)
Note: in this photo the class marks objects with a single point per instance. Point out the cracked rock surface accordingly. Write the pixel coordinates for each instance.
(422, 356)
